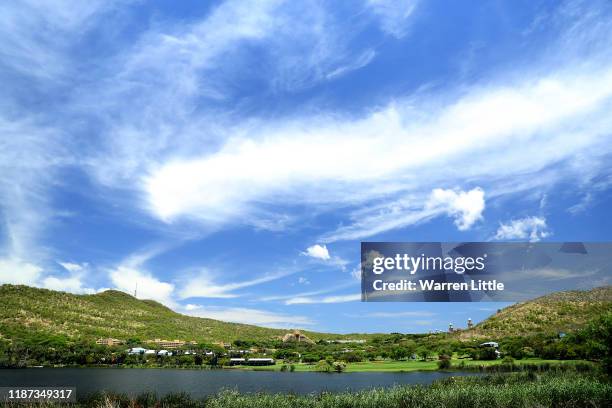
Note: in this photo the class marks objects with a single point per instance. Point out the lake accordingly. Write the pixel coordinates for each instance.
(200, 383)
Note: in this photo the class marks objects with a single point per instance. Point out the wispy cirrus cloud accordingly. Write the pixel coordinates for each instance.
(465, 207)
(215, 121)
(418, 313)
(305, 300)
(307, 294)
(204, 284)
(507, 126)
(37, 35)
(393, 15)
(249, 316)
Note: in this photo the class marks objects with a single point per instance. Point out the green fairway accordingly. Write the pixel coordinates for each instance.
(403, 366)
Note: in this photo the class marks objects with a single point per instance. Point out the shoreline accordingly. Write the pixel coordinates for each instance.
(361, 367)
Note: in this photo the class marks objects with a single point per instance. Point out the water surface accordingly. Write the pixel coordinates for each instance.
(200, 383)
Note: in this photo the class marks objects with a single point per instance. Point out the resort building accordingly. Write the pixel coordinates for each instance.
(493, 345)
(170, 343)
(109, 342)
(296, 336)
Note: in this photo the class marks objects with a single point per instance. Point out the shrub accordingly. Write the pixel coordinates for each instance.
(327, 366)
(339, 366)
(444, 364)
(487, 353)
(323, 366)
(310, 358)
(508, 360)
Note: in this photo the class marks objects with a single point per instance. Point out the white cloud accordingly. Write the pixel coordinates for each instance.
(328, 289)
(17, 271)
(37, 35)
(204, 284)
(327, 299)
(374, 220)
(582, 205)
(72, 284)
(303, 281)
(175, 70)
(129, 279)
(490, 132)
(532, 228)
(318, 252)
(29, 156)
(73, 267)
(465, 206)
(251, 316)
(157, 138)
(361, 61)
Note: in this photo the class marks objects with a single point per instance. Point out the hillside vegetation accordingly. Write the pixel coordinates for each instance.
(550, 314)
(27, 311)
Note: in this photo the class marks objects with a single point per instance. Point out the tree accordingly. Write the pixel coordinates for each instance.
(487, 353)
(400, 353)
(444, 364)
(424, 353)
(352, 357)
(323, 366)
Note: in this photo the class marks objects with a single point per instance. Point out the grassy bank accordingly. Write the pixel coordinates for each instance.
(410, 365)
(552, 389)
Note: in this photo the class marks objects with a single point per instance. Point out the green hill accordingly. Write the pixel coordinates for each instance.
(28, 312)
(550, 314)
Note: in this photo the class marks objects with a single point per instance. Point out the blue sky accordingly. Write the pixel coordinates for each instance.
(230, 156)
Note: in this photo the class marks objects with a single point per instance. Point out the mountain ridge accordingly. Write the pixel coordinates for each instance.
(553, 313)
(119, 315)
(62, 316)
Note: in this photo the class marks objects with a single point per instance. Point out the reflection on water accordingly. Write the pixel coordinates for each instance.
(200, 383)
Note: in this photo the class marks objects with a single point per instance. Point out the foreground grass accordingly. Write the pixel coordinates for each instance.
(550, 389)
(406, 366)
